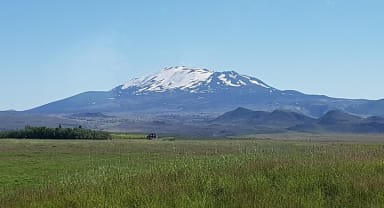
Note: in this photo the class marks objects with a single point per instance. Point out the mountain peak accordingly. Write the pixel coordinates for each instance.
(194, 80)
(185, 68)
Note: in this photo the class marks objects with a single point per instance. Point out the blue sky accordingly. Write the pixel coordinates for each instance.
(51, 49)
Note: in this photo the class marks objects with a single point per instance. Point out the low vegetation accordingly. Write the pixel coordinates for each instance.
(229, 173)
(55, 133)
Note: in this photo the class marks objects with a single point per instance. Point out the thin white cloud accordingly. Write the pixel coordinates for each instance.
(330, 3)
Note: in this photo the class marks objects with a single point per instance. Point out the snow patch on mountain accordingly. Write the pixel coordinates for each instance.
(256, 81)
(223, 78)
(171, 78)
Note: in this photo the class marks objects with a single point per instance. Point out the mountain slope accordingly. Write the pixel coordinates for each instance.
(196, 90)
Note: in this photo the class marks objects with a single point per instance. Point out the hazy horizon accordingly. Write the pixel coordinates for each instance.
(53, 50)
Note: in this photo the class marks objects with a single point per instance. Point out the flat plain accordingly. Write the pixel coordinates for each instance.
(259, 171)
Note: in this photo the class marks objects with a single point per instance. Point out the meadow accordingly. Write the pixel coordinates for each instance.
(252, 172)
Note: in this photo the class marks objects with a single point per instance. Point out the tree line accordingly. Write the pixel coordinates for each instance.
(55, 133)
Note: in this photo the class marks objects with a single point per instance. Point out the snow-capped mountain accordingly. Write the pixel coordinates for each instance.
(194, 90)
(193, 80)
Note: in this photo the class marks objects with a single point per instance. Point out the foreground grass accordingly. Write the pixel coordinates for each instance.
(231, 173)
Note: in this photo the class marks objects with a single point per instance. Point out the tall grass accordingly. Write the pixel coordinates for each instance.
(199, 174)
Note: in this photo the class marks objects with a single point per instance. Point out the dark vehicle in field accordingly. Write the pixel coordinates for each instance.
(152, 136)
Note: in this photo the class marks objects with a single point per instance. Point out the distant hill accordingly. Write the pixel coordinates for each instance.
(333, 121)
(241, 116)
(277, 118)
(335, 117)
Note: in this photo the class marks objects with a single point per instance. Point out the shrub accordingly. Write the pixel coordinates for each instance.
(55, 133)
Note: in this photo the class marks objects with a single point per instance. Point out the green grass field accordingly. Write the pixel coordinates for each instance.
(190, 173)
